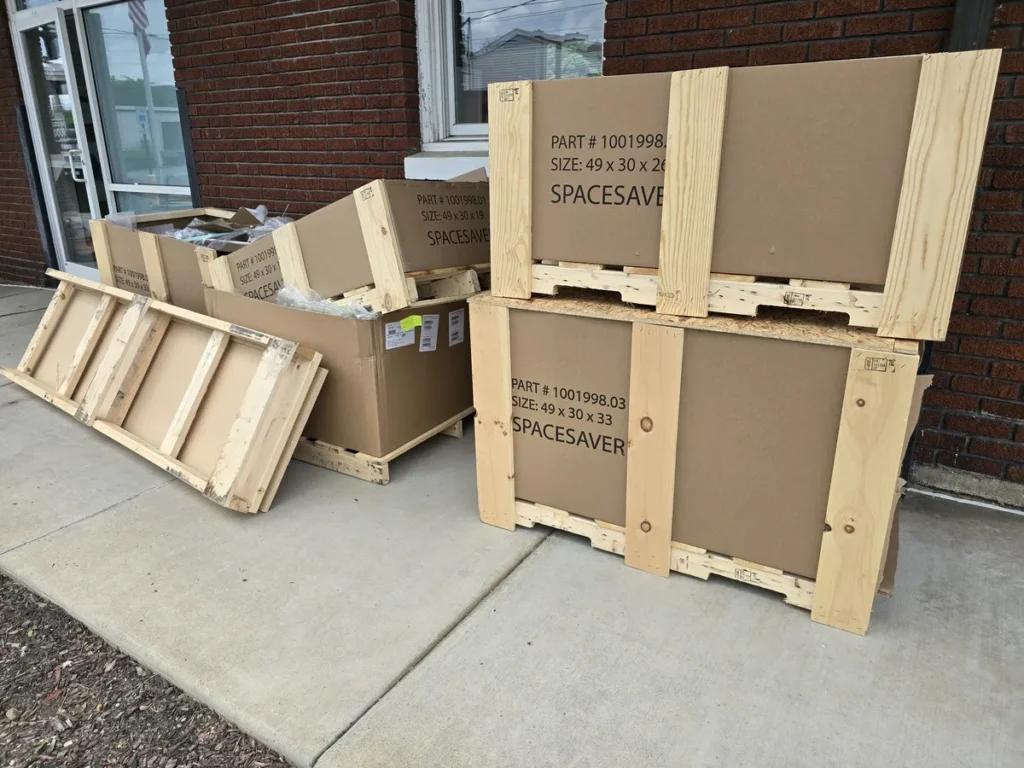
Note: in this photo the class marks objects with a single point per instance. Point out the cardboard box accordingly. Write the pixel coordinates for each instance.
(859, 173)
(370, 240)
(384, 387)
(157, 265)
(738, 438)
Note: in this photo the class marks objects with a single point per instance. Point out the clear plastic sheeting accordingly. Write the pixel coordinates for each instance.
(311, 301)
(122, 219)
(195, 232)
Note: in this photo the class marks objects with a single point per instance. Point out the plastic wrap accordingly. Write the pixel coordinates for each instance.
(311, 301)
(122, 219)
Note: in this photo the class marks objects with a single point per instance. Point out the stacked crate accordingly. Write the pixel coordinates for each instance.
(645, 414)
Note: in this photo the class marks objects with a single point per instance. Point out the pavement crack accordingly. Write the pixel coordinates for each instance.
(420, 658)
(22, 312)
(87, 517)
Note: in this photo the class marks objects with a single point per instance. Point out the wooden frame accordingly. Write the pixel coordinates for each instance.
(877, 405)
(947, 135)
(374, 469)
(235, 458)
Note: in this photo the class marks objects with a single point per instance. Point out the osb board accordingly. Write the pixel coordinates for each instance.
(181, 270)
(333, 250)
(758, 423)
(440, 224)
(812, 164)
(126, 256)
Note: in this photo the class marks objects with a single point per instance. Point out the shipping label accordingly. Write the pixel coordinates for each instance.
(428, 333)
(395, 336)
(456, 326)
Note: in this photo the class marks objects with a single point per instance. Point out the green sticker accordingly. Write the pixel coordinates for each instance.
(410, 322)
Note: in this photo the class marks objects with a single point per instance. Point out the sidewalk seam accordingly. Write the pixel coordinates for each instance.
(22, 312)
(412, 665)
(90, 516)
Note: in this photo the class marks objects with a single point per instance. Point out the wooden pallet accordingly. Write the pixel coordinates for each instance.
(218, 406)
(875, 419)
(946, 138)
(374, 469)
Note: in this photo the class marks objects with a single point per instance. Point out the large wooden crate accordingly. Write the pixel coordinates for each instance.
(842, 186)
(218, 406)
(386, 246)
(766, 450)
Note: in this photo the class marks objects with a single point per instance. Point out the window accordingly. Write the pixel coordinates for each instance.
(466, 44)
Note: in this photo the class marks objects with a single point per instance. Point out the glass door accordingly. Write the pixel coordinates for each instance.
(64, 142)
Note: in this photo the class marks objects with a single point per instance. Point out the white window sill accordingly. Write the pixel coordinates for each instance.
(444, 165)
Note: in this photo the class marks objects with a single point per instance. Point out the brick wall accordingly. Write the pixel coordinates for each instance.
(295, 104)
(974, 414)
(21, 253)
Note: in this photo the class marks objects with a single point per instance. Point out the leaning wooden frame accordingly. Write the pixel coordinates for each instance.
(153, 265)
(388, 245)
(218, 406)
(756, 398)
(839, 186)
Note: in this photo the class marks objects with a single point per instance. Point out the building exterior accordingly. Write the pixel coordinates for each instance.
(140, 105)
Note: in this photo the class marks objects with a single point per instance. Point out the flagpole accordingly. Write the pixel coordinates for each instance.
(150, 112)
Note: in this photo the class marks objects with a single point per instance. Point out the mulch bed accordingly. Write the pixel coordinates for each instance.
(68, 699)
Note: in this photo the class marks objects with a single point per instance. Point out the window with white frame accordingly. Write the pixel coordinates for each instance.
(466, 44)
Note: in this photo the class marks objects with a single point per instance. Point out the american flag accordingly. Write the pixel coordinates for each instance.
(137, 13)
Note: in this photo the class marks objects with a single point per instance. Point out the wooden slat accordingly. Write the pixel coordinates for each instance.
(876, 407)
(656, 367)
(92, 285)
(947, 136)
(47, 325)
(510, 110)
(293, 439)
(90, 338)
(101, 247)
(492, 396)
(273, 363)
(693, 155)
(153, 260)
(206, 257)
(377, 223)
(119, 401)
(38, 389)
(177, 430)
(151, 454)
(116, 362)
(289, 256)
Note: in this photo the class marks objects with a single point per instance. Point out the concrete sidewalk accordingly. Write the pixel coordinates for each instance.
(358, 625)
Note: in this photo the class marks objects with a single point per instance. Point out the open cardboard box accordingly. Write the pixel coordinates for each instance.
(385, 386)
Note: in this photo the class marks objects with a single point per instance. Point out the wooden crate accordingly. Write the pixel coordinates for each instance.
(218, 406)
(839, 186)
(387, 246)
(384, 395)
(700, 445)
(149, 264)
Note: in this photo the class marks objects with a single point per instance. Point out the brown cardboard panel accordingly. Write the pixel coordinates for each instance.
(441, 224)
(477, 174)
(98, 354)
(255, 271)
(333, 250)
(181, 268)
(564, 462)
(220, 406)
(758, 423)
(581, 210)
(166, 380)
(126, 255)
(812, 164)
(419, 388)
(346, 413)
(60, 351)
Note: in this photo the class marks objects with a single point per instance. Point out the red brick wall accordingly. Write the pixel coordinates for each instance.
(974, 414)
(295, 104)
(21, 252)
